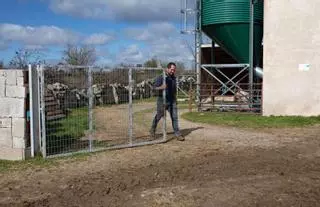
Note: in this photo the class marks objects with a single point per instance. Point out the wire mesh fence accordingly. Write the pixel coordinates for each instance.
(124, 113)
(90, 109)
(186, 91)
(66, 106)
(186, 84)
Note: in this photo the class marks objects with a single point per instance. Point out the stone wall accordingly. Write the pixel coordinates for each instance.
(13, 94)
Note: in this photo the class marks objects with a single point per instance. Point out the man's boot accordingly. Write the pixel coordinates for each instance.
(152, 134)
(180, 138)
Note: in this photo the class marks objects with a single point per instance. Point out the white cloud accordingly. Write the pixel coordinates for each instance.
(105, 57)
(3, 45)
(164, 41)
(153, 32)
(34, 47)
(171, 50)
(98, 39)
(126, 10)
(131, 54)
(42, 35)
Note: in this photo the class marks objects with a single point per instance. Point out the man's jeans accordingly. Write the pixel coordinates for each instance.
(172, 109)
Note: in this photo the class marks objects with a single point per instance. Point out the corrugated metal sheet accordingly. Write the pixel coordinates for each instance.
(229, 11)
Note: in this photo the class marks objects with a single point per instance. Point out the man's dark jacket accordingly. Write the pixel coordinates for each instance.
(171, 90)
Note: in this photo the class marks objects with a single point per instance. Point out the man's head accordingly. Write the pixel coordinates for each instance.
(171, 68)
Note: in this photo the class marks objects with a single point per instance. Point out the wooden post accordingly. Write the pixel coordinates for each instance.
(212, 97)
(190, 99)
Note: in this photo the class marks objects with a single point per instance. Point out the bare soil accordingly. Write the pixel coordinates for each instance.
(111, 123)
(215, 166)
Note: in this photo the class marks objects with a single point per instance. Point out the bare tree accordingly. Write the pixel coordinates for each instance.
(79, 55)
(24, 57)
(152, 63)
(1, 64)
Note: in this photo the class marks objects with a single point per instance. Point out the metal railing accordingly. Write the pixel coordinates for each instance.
(227, 97)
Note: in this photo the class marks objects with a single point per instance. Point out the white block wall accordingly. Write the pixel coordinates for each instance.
(291, 73)
(12, 115)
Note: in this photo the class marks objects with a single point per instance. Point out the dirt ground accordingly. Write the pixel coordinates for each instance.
(214, 166)
(112, 124)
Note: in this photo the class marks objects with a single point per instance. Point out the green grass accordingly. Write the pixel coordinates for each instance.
(6, 165)
(39, 162)
(66, 132)
(73, 125)
(147, 100)
(250, 120)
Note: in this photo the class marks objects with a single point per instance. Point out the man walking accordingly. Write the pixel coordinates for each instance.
(170, 86)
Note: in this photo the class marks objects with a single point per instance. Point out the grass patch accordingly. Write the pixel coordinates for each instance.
(146, 100)
(40, 162)
(6, 165)
(64, 133)
(74, 125)
(141, 117)
(186, 106)
(250, 120)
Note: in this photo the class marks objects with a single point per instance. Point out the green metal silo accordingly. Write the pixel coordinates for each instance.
(227, 22)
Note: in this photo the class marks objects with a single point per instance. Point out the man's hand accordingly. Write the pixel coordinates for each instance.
(162, 87)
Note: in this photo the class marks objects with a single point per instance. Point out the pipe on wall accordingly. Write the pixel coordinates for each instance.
(258, 72)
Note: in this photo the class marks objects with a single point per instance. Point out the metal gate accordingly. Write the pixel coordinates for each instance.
(87, 109)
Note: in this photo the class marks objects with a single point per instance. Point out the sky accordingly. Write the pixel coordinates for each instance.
(122, 31)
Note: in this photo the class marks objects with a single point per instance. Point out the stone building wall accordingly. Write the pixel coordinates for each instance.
(13, 101)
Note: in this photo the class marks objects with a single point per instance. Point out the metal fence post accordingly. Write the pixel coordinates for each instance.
(31, 111)
(251, 53)
(164, 126)
(198, 42)
(43, 112)
(130, 107)
(39, 106)
(90, 112)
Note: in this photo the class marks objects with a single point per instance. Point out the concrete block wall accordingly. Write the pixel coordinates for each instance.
(291, 66)
(13, 94)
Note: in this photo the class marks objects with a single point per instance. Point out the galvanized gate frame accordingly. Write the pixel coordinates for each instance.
(38, 115)
(42, 111)
(34, 101)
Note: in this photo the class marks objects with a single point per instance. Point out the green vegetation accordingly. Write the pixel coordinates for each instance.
(250, 120)
(74, 125)
(6, 165)
(39, 162)
(146, 100)
(66, 132)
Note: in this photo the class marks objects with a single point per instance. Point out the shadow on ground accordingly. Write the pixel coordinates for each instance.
(184, 132)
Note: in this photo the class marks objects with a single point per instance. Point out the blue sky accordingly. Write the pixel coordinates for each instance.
(129, 31)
